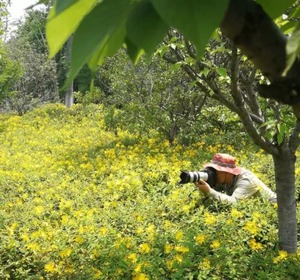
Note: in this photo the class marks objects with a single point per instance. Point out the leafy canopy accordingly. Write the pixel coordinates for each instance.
(100, 28)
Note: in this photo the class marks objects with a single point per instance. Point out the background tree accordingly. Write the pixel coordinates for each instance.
(10, 71)
(156, 95)
(30, 32)
(38, 83)
(27, 46)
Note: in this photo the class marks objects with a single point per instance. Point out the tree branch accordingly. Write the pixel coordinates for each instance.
(243, 113)
(258, 37)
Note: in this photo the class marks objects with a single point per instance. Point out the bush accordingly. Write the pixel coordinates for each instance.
(81, 202)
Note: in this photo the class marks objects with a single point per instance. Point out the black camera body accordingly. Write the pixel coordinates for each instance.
(208, 175)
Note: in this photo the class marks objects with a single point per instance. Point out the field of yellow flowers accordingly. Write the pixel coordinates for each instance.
(81, 202)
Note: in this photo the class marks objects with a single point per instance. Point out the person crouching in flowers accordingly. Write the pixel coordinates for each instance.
(232, 182)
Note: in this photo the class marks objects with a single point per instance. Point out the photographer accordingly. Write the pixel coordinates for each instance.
(233, 183)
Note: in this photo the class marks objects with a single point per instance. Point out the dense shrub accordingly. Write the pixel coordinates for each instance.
(81, 202)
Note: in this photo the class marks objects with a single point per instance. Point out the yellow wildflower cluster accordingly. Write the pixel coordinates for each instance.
(281, 256)
(254, 245)
(80, 201)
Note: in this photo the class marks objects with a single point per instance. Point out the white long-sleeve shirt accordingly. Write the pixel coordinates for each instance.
(244, 185)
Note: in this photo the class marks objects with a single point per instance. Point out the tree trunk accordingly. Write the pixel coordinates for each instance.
(69, 97)
(284, 165)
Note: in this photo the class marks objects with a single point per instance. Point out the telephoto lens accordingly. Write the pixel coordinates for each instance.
(208, 175)
(192, 176)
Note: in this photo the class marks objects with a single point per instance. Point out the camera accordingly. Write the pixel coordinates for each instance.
(208, 175)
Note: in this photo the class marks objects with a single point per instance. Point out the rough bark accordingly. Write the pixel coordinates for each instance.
(259, 38)
(285, 189)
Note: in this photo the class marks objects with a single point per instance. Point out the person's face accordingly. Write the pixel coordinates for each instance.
(224, 177)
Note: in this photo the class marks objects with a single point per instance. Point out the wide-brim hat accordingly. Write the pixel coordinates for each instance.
(224, 162)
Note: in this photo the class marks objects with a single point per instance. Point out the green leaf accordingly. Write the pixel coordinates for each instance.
(100, 34)
(63, 21)
(295, 12)
(162, 50)
(221, 71)
(142, 22)
(61, 5)
(287, 27)
(108, 47)
(282, 128)
(280, 138)
(275, 8)
(292, 49)
(205, 71)
(133, 51)
(196, 19)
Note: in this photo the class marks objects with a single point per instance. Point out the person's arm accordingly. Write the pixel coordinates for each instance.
(207, 190)
(222, 197)
(244, 189)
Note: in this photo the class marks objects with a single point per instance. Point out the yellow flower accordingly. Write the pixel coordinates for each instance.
(141, 276)
(132, 257)
(168, 248)
(281, 256)
(255, 246)
(215, 244)
(65, 253)
(150, 229)
(50, 267)
(181, 249)
(256, 215)
(209, 219)
(236, 214)
(79, 239)
(200, 238)
(178, 258)
(229, 222)
(179, 235)
(186, 208)
(138, 268)
(167, 224)
(39, 210)
(169, 264)
(103, 231)
(251, 226)
(140, 230)
(145, 248)
(25, 237)
(33, 246)
(204, 264)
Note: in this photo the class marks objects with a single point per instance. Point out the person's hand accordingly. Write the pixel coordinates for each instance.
(202, 186)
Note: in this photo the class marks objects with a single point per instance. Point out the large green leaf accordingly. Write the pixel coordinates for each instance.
(61, 5)
(196, 19)
(63, 21)
(108, 46)
(276, 8)
(133, 51)
(100, 34)
(145, 28)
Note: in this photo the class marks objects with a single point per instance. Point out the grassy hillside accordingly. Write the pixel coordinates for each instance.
(80, 202)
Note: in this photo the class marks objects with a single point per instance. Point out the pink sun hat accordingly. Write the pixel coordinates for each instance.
(224, 162)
